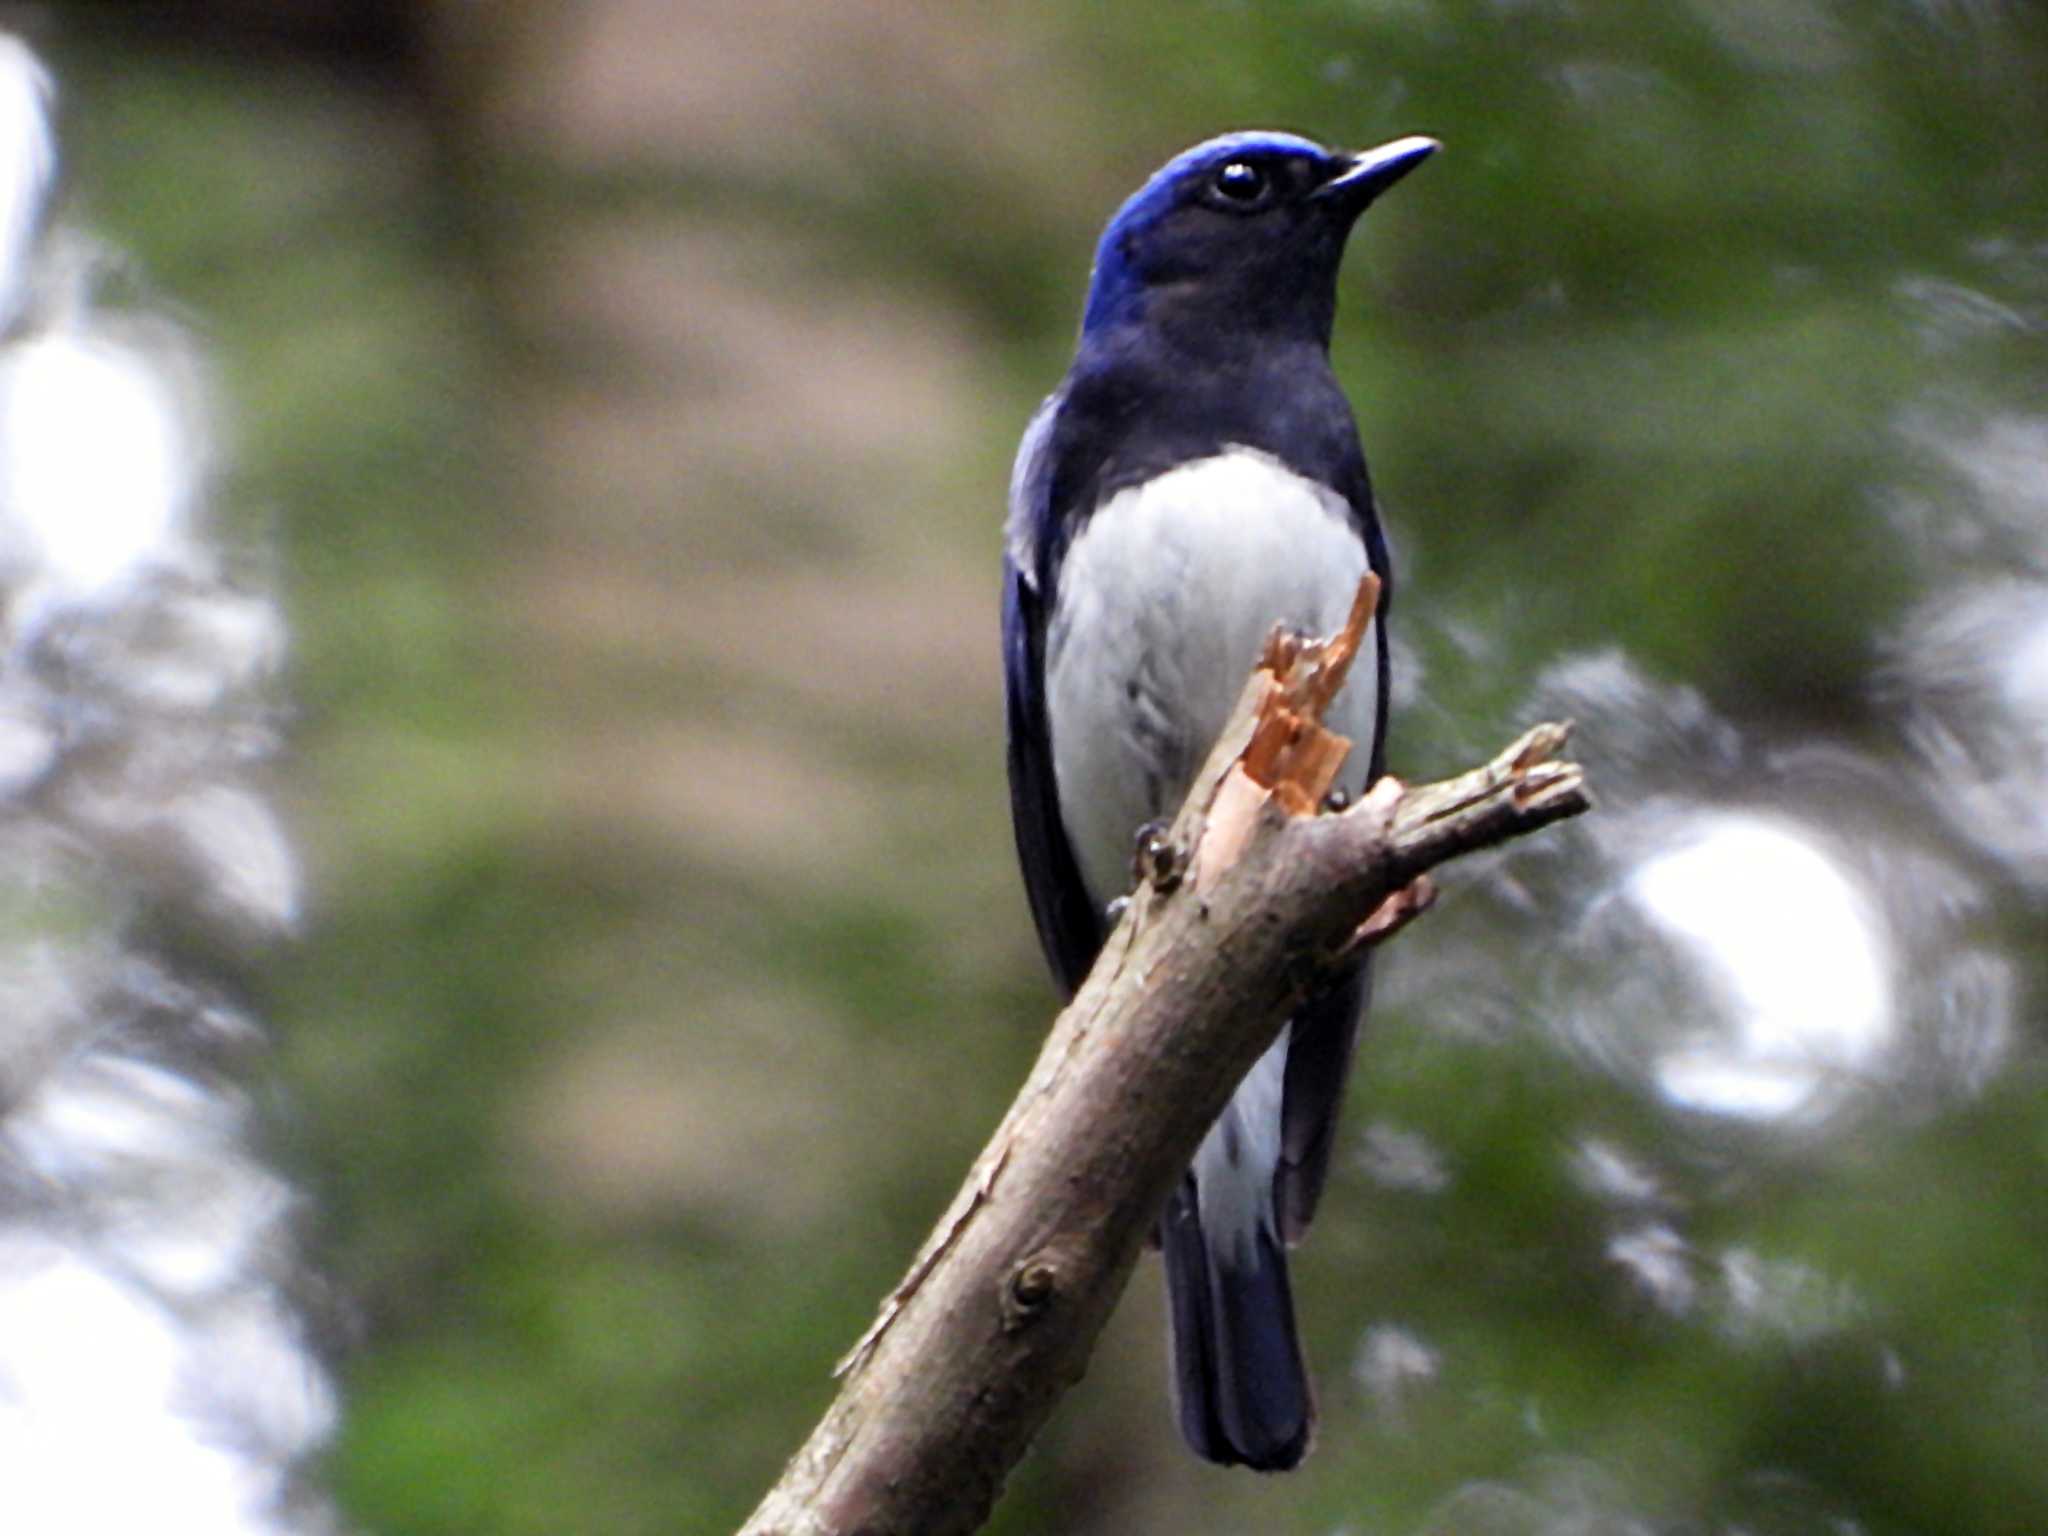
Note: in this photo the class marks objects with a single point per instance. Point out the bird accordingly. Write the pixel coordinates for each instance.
(1194, 480)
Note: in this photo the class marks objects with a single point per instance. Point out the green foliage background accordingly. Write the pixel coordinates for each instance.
(637, 489)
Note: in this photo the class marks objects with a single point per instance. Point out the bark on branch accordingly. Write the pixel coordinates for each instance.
(1255, 895)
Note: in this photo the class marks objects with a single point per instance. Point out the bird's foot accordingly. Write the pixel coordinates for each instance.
(1156, 860)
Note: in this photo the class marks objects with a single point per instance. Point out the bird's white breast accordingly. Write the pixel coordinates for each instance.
(1163, 602)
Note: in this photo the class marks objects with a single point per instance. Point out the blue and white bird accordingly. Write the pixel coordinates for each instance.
(1195, 480)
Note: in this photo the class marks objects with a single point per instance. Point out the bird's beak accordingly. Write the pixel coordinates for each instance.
(1372, 171)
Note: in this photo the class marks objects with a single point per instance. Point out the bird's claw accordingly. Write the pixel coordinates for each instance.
(1155, 858)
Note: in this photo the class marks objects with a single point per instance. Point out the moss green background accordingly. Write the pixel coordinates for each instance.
(627, 392)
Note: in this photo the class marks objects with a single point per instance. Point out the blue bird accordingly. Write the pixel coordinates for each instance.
(1194, 480)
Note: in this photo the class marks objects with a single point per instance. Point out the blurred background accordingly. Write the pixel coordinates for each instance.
(508, 931)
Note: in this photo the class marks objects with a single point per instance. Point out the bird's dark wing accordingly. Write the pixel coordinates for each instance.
(1382, 563)
(1319, 1051)
(1069, 928)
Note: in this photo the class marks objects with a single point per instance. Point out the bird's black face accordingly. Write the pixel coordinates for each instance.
(1247, 231)
(1242, 234)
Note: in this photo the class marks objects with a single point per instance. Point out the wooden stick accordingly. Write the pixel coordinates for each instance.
(1254, 898)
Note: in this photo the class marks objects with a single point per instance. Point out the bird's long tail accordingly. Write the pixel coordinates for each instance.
(1240, 1385)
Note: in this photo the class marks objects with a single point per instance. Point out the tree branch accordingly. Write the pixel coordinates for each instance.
(1254, 898)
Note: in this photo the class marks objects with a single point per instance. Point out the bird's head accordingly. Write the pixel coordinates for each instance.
(1243, 231)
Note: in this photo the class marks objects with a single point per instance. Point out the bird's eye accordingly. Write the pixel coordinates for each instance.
(1241, 182)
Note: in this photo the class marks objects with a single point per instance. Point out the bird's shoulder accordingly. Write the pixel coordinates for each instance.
(1025, 531)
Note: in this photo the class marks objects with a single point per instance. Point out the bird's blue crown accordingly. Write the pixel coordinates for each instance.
(1156, 198)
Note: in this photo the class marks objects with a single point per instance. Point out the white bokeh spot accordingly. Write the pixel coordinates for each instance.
(1796, 953)
(28, 161)
(95, 468)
